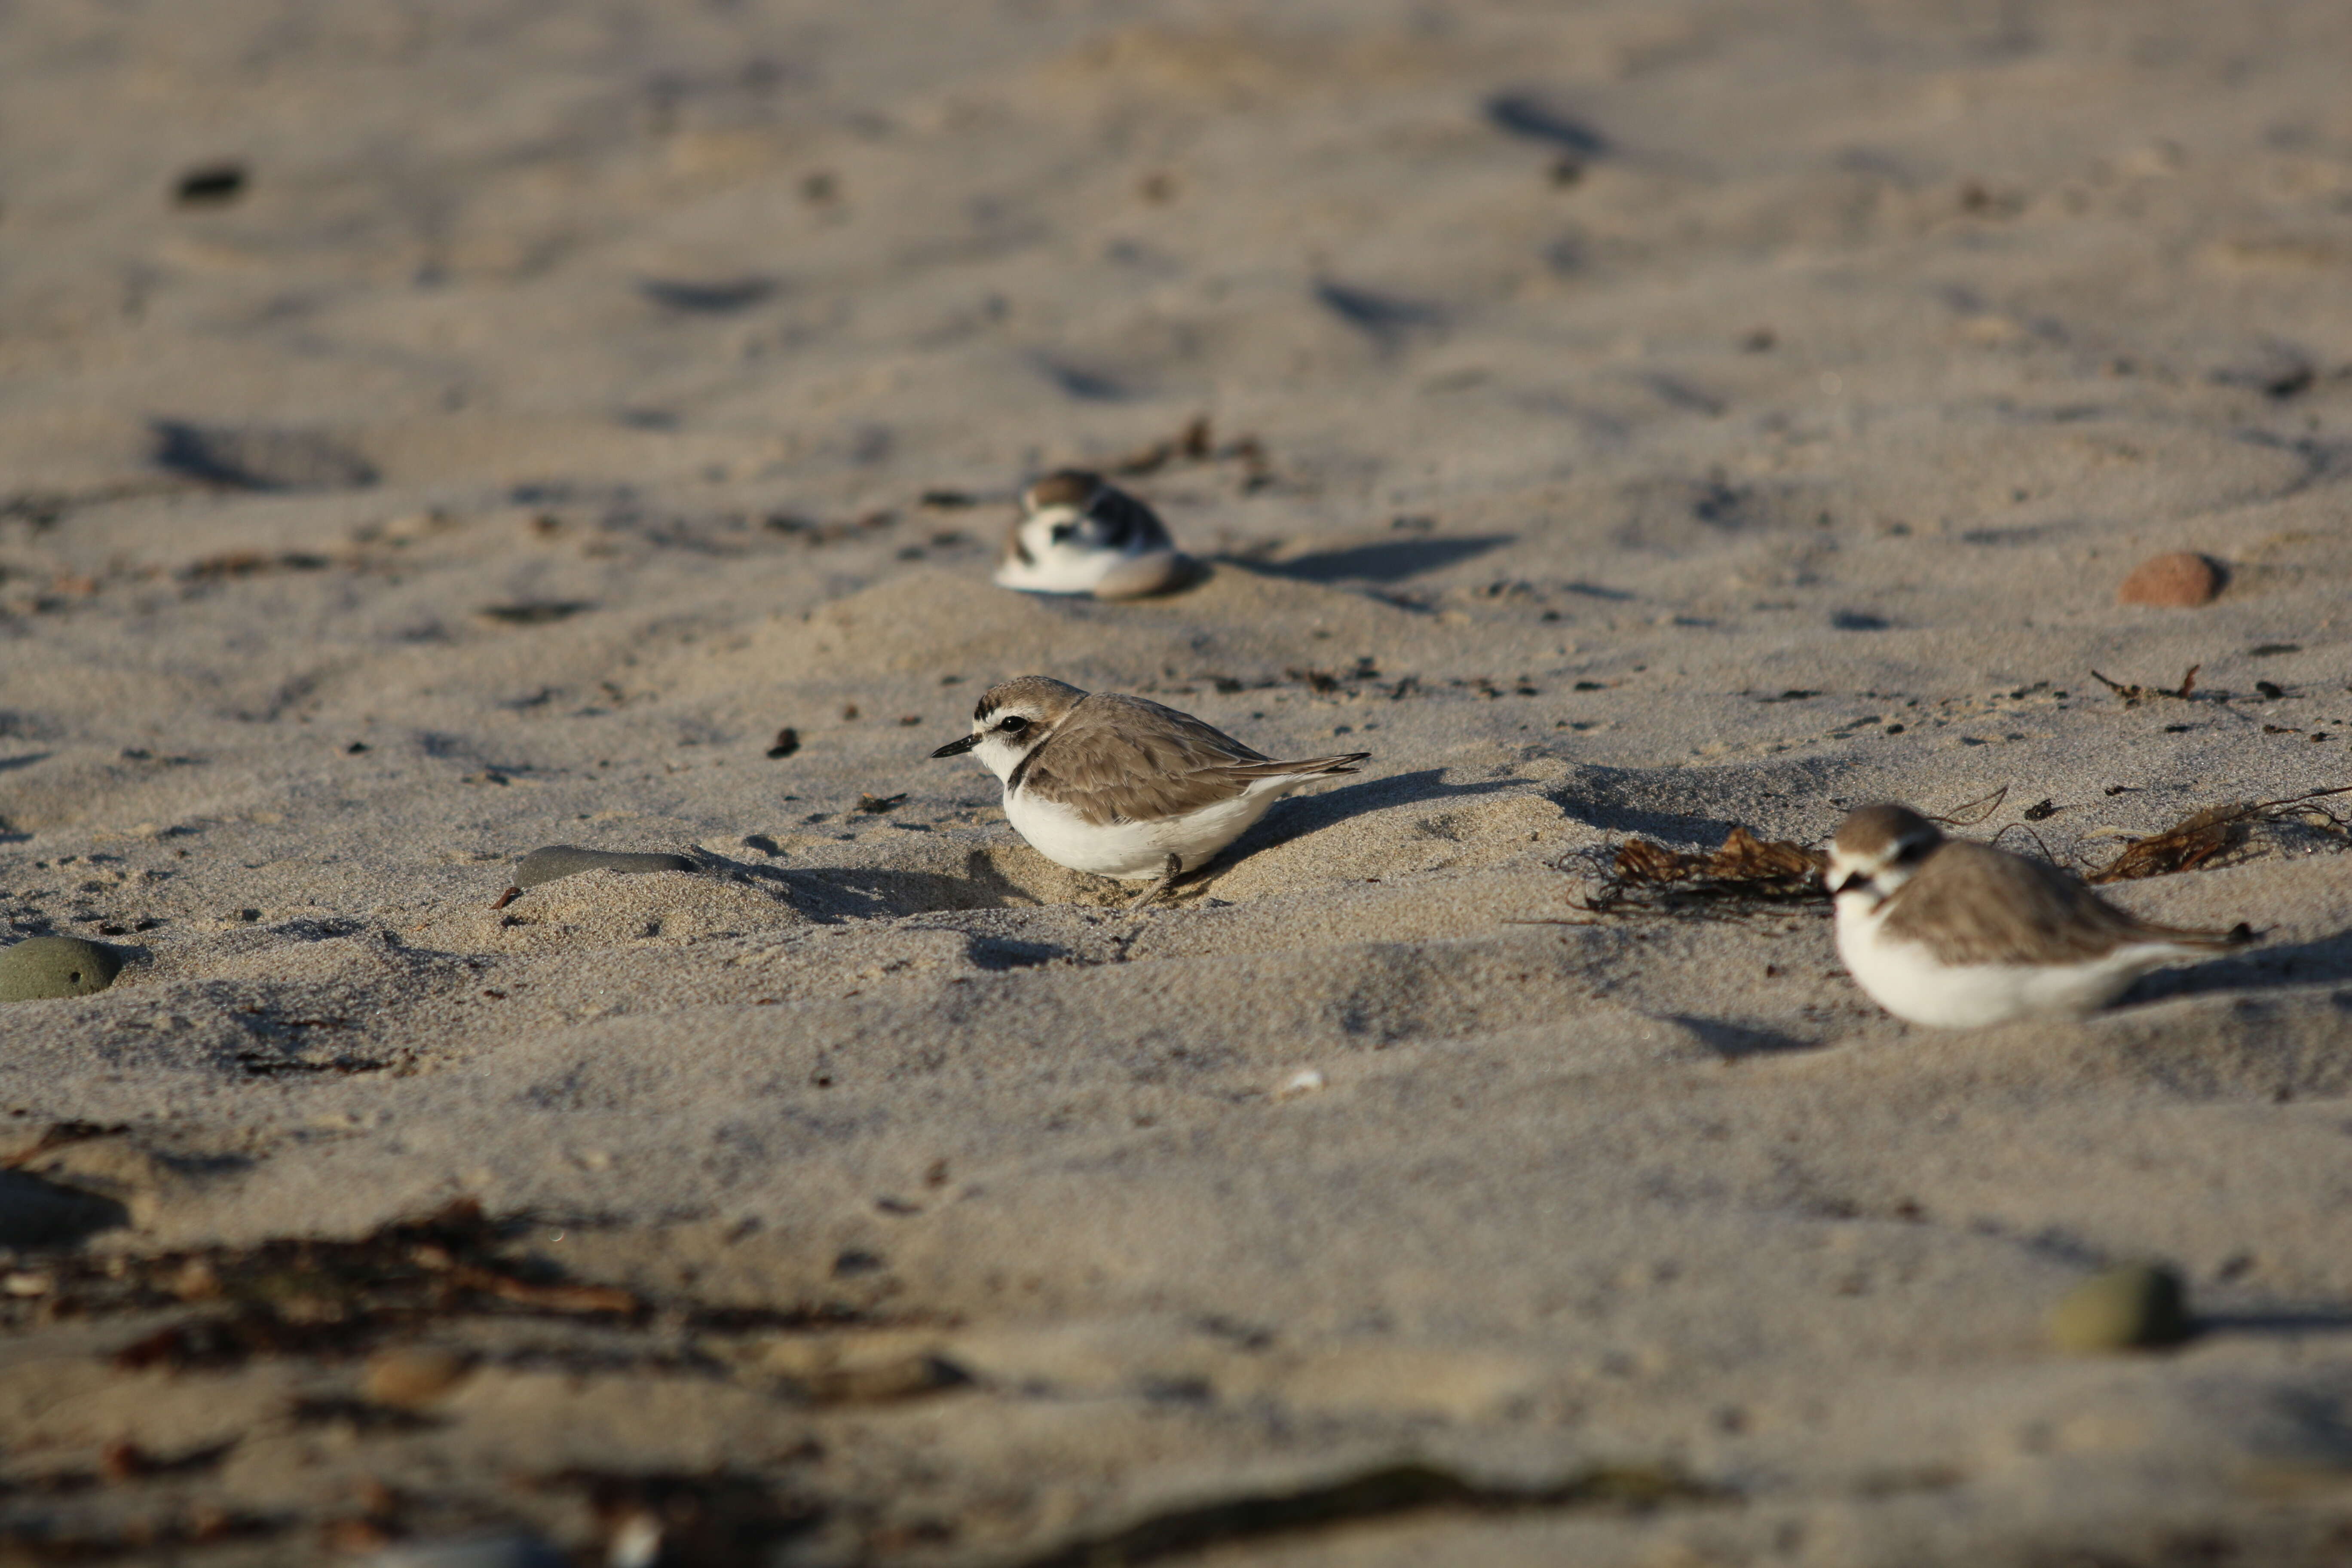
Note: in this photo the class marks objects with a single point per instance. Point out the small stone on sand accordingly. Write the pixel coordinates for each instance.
(2133, 1306)
(45, 966)
(2181, 580)
(408, 1377)
(1305, 1080)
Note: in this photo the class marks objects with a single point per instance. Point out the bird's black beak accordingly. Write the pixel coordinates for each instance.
(957, 748)
(1852, 878)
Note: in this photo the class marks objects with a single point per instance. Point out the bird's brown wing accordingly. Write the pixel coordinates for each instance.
(1124, 759)
(1972, 903)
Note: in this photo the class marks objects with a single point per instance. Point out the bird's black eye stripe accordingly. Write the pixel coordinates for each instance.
(1911, 851)
(1014, 725)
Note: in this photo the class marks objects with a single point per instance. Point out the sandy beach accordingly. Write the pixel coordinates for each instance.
(433, 432)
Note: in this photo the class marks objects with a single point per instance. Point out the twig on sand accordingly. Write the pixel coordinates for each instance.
(2134, 696)
(1969, 813)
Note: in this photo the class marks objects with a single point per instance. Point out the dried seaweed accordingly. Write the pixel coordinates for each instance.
(1383, 1493)
(2134, 696)
(2183, 847)
(1970, 813)
(1192, 444)
(323, 1299)
(156, 1540)
(814, 531)
(534, 612)
(1646, 878)
(2199, 838)
(1196, 443)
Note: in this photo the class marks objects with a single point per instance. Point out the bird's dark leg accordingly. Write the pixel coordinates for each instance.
(1175, 870)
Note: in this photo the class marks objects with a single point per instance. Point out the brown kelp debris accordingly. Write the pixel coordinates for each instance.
(1196, 443)
(317, 1298)
(2134, 696)
(120, 1463)
(816, 530)
(1969, 813)
(160, 1538)
(1385, 1493)
(1646, 877)
(2200, 838)
(252, 563)
(1192, 444)
(2183, 847)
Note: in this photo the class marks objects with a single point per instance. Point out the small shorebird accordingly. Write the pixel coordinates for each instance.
(1077, 534)
(1121, 787)
(1957, 935)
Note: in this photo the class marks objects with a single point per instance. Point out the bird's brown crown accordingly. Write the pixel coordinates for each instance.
(1040, 694)
(1070, 486)
(1871, 831)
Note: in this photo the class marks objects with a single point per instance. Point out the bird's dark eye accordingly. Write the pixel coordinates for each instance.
(1014, 725)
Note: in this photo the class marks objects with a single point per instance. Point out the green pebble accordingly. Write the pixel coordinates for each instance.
(2133, 1306)
(44, 967)
(569, 860)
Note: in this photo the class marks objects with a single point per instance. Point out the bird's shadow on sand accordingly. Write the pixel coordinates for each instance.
(1729, 1039)
(1300, 815)
(1391, 561)
(2323, 962)
(2285, 1321)
(833, 893)
(828, 894)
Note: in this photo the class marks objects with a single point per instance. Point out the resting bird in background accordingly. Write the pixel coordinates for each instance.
(1077, 534)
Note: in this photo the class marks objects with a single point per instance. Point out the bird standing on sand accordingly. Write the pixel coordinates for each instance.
(1077, 534)
(1957, 935)
(1122, 787)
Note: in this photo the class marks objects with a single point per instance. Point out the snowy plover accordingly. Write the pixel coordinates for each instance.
(1079, 535)
(1958, 934)
(1122, 787)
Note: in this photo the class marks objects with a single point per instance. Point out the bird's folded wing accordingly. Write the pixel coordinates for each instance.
(1120, 758)
(1976, 904)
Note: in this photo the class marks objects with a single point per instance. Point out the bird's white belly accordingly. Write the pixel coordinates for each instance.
(1134, 851)
(1062, 570)
(1911, 983)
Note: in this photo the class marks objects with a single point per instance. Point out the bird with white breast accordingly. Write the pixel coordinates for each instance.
(1122, 787)
(1958, 934)
(1078, 534)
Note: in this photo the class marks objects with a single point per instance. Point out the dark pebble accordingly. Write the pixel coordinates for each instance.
(211, 185)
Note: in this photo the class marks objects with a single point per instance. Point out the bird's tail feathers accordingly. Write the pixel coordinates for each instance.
(1344, 764)
(2237, 936)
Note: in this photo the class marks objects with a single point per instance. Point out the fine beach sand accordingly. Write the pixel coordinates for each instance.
(1629, 419)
